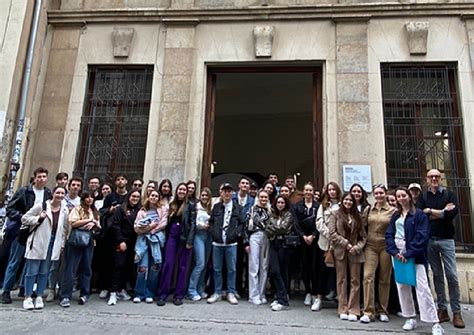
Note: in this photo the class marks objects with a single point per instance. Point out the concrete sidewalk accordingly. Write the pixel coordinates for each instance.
(199, 317)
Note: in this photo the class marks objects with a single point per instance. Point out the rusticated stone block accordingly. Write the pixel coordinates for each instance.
(122, 41)
(417, 33)
(263, 37)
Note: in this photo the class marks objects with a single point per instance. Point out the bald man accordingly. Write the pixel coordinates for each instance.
(441, 207)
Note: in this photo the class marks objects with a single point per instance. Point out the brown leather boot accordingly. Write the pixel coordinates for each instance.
(443, 315)
(458, 322)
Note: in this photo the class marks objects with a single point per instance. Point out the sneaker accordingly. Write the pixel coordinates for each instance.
(28, 304)
(232, 299)
(51, 295)
(149, 300)
(161, 302)
(137, 300)
(352, 317)
(437, 329)
(275, 302)
(365, 319)
(204, 295)
(82, 300)
(343, 316)
(237, 295)
(103, 294)
(65, 302)
(6, 298)
(196, 298)
(255, 301)
(263, 300)
(458, 322)
(213, 298)
(331, 296)
(123, 295)
(308, 299)
(39, 304)
(177, 301)
(384, 318)
(410, 324)
(279, 307)
(112, 299)
(316, 305)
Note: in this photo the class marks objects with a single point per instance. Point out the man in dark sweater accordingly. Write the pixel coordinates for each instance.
(441, 207)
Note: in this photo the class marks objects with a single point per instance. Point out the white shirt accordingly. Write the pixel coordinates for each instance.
(227, 216)
(39, 195)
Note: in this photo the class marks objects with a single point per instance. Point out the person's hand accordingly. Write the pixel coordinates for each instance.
(353, 251)
(89, 225)
(309, 239)
(189, 246)
(348, 247)
(426, 211)
(205, 226)
(42, 215)
(247, 249)
(401, 258)
(123, 247)
(449, 207)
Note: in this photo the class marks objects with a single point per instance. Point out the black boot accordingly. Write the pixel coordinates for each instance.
(6, 298)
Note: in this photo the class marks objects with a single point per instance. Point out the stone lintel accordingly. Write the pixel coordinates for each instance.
(417, 33)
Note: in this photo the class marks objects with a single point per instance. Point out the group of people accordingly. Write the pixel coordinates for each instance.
(154, 242)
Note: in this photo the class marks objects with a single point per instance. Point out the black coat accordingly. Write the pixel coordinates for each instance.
(236, 226)
(122, 225)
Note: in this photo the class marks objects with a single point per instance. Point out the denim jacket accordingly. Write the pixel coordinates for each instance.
(153, 241)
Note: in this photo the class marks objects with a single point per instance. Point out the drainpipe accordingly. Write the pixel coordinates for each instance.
(25, 88)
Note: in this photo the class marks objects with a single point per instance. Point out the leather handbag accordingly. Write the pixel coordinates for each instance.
(329, 258)
(79, 238)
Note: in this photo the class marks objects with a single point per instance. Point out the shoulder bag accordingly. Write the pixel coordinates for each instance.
(25, 231)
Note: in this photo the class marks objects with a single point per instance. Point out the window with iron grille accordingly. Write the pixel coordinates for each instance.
(114, 123)
(424, 130)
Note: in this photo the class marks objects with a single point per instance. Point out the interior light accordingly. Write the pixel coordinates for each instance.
(438, 133)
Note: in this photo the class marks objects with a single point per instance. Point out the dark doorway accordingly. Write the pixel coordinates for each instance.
(263, 120)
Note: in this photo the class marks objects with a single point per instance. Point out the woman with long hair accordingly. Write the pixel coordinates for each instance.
(270, 188)
(192, 186)
(377, 258)
(348, 237)
(48, 226)
(124, 240)
(258, 218)
(360, 196)
(150, 224)
(151, 186)
(165, 189)
(78, 258)
(305, 215)
(281, 225)
(105, 190)
(330, 199)
(179, 242)
(407, 238)
(202, 246)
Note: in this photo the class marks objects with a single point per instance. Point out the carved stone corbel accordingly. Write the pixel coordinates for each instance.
(263, 38)
(417, 33)
(122, 41)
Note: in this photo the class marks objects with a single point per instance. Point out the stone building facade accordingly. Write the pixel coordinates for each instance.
(383, 75)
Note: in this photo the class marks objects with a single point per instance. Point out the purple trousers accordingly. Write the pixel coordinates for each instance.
(175, 253)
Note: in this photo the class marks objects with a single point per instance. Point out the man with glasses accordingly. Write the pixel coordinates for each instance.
(441, 207)
(137, 184)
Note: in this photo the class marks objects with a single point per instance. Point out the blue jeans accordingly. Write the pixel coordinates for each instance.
(37, 270)
(202, 251)
(78, 261)
(17, 253)
(146, 285)
(441, 253)
(230, 254)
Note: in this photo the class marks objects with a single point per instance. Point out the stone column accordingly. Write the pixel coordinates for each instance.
(352, 82)
(48, 135)
(175, 101)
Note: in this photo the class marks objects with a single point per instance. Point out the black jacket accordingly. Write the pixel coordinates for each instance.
(189, 223)
(236, 225)
(122, 225)
(306, 218)
(20, 203)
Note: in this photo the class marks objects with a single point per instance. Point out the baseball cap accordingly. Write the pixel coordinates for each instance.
(414, 185)
(227, 186)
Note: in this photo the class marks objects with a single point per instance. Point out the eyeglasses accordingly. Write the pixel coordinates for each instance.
(138, 185)
(434, 177)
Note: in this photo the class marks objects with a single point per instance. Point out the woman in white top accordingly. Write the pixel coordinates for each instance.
(202, 246)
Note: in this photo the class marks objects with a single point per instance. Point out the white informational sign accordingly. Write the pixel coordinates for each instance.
(360, 174)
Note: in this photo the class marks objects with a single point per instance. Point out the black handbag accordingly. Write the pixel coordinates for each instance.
(79, 238)
(25, 231)
(293, 240)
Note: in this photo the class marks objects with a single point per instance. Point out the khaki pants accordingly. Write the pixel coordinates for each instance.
(344, 269)
(376, 257)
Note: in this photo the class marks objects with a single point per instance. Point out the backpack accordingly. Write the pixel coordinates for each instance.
(25, 231)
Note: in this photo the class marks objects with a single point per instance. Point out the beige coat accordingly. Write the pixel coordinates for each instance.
(322, 225)
(42, 235)
(357, 238)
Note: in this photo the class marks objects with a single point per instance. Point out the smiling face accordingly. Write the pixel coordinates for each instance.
(332, 192)
(94, 184)
(433, 178)
(403, 198)
(204, 197)
(89, 200)
(154, 197)
(357, 193)
(106, 190)
(280, 204)
(269, 188)
(191, 189)
(380, 195)
(347, 202)
(181, 192)
(308, 191)
(226, 195)
(165, 189)
(285, 191)
(263, 198)
(392, 200)
(58, 195)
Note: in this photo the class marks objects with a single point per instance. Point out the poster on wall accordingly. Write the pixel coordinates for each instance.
(360, 174)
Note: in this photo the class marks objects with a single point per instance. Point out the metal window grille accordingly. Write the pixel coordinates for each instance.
(423, 130)
(114, 123)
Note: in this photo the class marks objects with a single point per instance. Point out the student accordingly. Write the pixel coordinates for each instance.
(93, 186)
(360, 196)
(44, 245)
(407, 237)
(348, 238)
(137, 184)
(151, 186)
(72, 198)
(166, 191)
(191, 185)
(62, 179)
(105, 190)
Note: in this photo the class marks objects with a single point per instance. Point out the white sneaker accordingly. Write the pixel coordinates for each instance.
(279, 307)
(352, 317)
(232, 299)
(103, 294)
(204, 295)
(384, 318)
(196, 297)
(39, 304)
(264, 301)
(343, 316)
(316, 305)
(213, 298)
(275, 302)
(149, 300)
(51, 295)
(112, 299)
(365, 319)
(28, 304)
(437, 329)
(308, 299)
(123, 295)
(137, 300)
(255, 301)
(410, 324)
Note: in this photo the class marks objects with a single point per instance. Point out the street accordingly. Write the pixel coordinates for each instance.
(199, 317)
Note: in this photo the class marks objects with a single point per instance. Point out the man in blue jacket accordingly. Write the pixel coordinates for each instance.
(441, 207)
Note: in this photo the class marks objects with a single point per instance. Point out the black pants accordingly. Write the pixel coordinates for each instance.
(279, 260)
(124, 269)
(327, 277)
(241, 279)
(104, 261)
(312, 258)
(4, 255)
